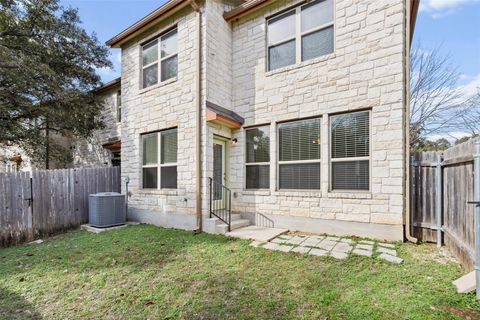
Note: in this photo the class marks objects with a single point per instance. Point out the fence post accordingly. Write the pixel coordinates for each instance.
(476, 190)
(438, 200)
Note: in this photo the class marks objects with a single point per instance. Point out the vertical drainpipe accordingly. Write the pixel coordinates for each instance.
(476, 190)
(198, 118)
(406, 97)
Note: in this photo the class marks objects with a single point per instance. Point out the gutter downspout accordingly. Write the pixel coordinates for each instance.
(198, 118)
(407, 37)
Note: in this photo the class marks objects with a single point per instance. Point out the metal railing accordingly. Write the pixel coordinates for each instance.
(263, 221)
(220, 202)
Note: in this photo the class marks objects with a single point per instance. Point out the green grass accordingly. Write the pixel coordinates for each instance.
(146, 272)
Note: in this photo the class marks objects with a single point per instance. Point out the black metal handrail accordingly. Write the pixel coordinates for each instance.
(220, 202)
(263, 221)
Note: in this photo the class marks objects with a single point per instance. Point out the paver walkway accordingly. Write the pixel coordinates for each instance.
(339, 248)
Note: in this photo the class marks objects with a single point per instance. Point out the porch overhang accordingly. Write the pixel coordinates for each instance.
(113, 145)
(223, 116)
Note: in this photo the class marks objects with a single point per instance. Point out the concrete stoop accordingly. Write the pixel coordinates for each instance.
(217, 226)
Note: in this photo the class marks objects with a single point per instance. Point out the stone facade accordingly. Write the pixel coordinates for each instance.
(365, 72)
(92, 153)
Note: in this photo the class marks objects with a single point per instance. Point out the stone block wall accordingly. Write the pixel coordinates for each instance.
(91, 153)
(365, 72)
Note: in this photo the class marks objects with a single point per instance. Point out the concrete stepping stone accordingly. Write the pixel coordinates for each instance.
(362, 246)
(283, 248)
(326, 244)
(367, 242)
(386, 245)
(332, 238)
(342, 247)
(318, 252)
(311, 242)
(301, 249)
(390, 258)
(271, 246)
(338, 255)
(349, 241)
(278, 240)
(256, 243)
(296, 240)
(387, 251)
(361, 252)
(285, 236)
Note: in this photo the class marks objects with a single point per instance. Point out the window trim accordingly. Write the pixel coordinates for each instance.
(159, 59)
(298, 33)
(332, 160)
(319, 160)
(159, 165)
(267, 126)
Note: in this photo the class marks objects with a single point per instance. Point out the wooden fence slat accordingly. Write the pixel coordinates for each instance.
(60, 200)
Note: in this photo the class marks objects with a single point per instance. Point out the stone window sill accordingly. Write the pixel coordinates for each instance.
(350, 195)
(158, 192)
(158, 85)
(255, 192)
(301, 64)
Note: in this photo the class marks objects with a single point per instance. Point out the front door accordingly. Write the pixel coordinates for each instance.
(219, 172)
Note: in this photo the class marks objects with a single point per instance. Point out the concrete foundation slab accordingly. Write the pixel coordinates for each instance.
(89, 228)
(256, 233)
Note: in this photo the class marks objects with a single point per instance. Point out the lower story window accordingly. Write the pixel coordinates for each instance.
(350, 151)
(159, 166)
(257, 158)
(299, 154)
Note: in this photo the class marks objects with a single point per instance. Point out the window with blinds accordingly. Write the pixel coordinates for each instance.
(350, 151)
(160, 160)
(300, 34)
(257, 158)
(299, 148)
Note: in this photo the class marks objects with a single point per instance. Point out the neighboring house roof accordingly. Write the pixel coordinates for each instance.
(109, 85)
(153, 17)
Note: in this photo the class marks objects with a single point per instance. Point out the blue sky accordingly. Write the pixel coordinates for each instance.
(452, 25)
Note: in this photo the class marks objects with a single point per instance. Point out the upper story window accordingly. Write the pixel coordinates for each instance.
(119, 106)
(350, 151)
(257, 158)
(160, 59)
(299, 150)
(159, 166)
(303, 33)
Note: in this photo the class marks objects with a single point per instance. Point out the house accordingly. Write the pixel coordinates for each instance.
(103, 148)
(286, 113)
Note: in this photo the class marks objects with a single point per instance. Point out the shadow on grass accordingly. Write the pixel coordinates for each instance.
(13, 306)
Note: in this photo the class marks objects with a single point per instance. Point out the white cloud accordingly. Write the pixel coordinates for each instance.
(472, 87)
(450, 136)
(441, 8)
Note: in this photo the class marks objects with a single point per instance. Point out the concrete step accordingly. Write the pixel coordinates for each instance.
(222, 228)
(239, 224)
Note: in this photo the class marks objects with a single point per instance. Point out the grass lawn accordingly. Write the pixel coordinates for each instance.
(146, 272)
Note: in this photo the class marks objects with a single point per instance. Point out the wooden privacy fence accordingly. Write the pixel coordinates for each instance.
(449, 175)
(48, 201)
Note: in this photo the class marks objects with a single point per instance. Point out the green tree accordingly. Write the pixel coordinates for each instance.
(47, 74)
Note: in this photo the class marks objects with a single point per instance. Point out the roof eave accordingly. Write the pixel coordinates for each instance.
(245, 8)
(109, 85)
(155, 16)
